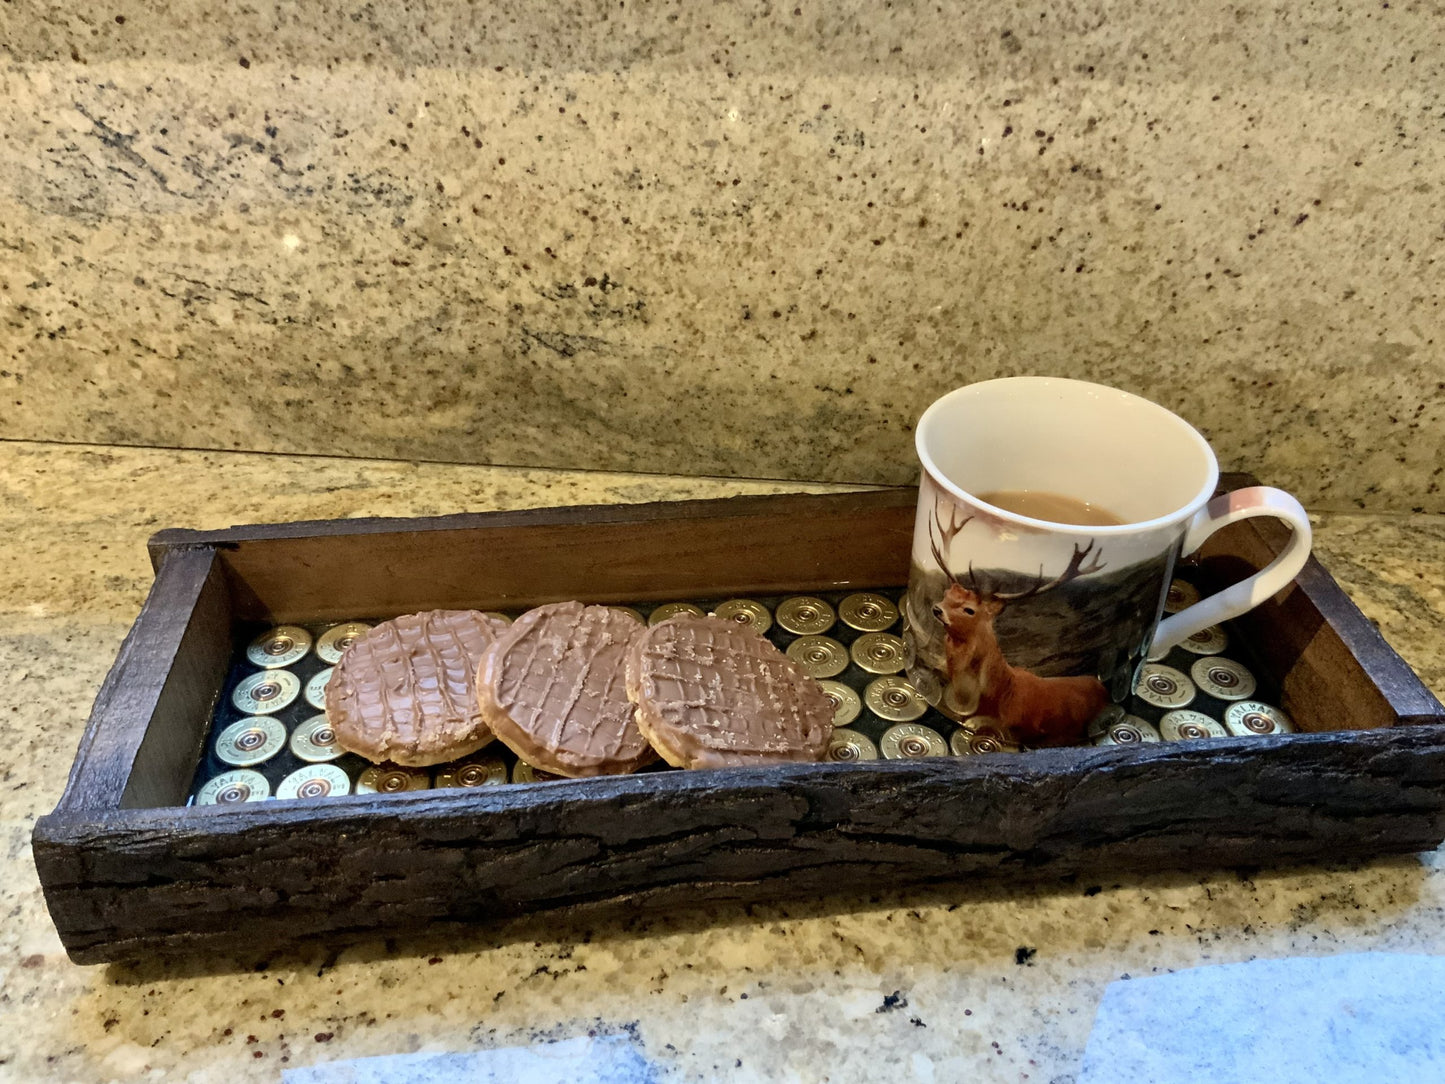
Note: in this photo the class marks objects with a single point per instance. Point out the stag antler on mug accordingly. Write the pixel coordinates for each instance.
(941, 546)
(1074, 571)
(1039, 710)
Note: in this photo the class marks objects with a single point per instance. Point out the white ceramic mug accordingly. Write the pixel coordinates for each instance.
(1039, 625)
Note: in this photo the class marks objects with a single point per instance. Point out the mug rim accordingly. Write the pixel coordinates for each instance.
(1184, 512)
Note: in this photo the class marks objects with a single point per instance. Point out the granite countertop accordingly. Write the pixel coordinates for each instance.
(723, 238)
(992, 984)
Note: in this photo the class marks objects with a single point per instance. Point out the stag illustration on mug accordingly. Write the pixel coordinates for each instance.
(977, 680)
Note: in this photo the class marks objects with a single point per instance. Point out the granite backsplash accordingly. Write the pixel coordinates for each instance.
(744, 239)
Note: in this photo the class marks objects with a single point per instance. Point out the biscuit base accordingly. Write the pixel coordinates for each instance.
(410, 758)
(656, 738)
(440, 726)
(519, 741)
(663, 738)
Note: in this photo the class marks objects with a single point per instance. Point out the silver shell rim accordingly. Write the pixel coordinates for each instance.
(472, 773)
(415, 779)
(843, 738)
(1208, 671)
(289, 688)
(817, 617)
(326, 644)
(274, 741)
(299, 644)
(922, 741)
(1236, 718)
(316, 688)
(848, 704)
(1193, 726)
(895, 699)
(337, 783)
(1208, 641)
(868, 611)
(258, 788)
(304, 747)
(819, 656)
(1180, 595)
(878, 652)
(1151, 686)
(747, 612)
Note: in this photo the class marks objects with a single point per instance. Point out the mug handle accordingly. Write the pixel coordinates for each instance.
(1249, 593)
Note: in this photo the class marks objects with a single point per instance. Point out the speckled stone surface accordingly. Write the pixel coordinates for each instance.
(751, 240)
(955, 984)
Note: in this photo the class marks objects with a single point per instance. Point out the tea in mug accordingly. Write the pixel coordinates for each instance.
(1054, 507)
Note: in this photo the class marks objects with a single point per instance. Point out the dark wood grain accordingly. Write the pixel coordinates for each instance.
(586, 514)
(143, 738)
(604, 553)
(252, 879)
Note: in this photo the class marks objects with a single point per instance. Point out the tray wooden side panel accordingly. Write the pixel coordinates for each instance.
(1335, 670)
(250, 880)
(143, 738)
(606, 553)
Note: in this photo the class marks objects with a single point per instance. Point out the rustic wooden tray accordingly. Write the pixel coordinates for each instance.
(129, 871)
